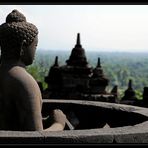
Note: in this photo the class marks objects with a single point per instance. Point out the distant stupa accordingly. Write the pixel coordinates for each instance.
(77, 57)
(77, 79)
(129, 94)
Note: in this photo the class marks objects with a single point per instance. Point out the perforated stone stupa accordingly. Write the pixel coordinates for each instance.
(78, 79)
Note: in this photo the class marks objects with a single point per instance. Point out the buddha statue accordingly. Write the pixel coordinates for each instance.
(20, 99)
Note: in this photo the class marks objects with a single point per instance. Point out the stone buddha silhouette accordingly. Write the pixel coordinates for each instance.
(21, 102)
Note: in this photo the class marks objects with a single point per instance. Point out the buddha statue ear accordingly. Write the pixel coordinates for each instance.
(22, 48)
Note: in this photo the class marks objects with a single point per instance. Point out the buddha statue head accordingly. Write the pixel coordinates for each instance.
(18, 38)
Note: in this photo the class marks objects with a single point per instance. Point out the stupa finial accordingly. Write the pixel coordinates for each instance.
(78, 42)
(56, 61)
(99, 62)
(130, 84)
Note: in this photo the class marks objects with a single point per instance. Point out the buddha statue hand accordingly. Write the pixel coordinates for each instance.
(57, 116)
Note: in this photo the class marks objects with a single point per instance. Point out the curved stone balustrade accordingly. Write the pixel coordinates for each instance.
(125, 124)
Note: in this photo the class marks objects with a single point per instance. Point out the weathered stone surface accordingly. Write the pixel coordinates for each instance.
(135, 131)
(19, 137)
(78, 136)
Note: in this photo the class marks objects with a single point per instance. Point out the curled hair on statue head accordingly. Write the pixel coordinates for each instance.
(15, 31)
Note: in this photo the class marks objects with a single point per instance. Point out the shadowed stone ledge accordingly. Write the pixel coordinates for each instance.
(135, 131)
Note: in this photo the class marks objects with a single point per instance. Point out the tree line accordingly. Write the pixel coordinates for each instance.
(118, 67)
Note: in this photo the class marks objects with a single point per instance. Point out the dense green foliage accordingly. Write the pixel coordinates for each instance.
(118, 67)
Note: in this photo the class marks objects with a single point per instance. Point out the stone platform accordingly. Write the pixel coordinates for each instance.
(127, 124)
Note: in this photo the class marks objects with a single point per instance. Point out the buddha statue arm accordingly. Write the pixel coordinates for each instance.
(27, 98)
(55, 127)
(30, 113)
(29, 105)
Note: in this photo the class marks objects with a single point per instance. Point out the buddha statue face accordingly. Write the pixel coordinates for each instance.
(28, 52)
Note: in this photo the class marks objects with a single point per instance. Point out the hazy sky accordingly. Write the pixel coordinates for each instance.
(102, 27)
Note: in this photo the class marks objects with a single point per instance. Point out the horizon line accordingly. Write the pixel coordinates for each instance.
(130, 51)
